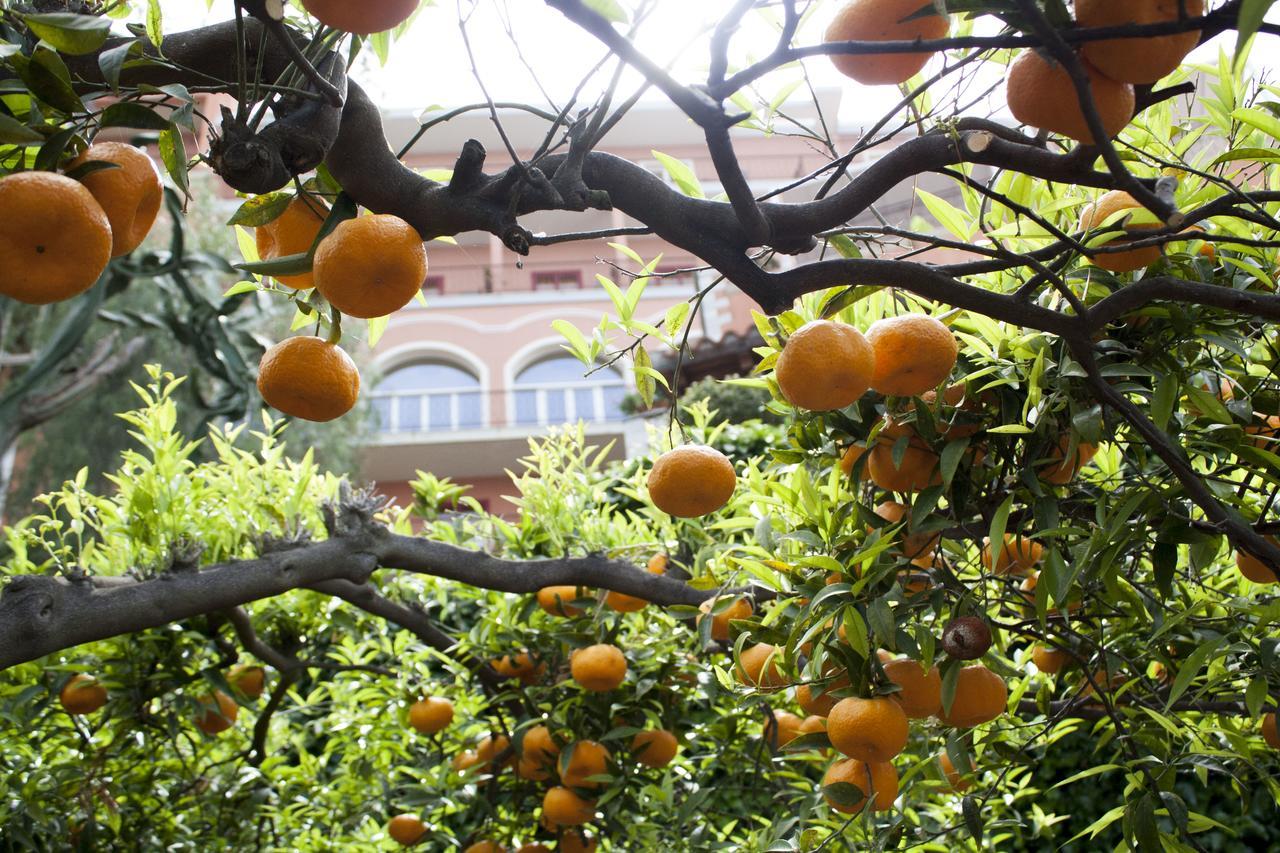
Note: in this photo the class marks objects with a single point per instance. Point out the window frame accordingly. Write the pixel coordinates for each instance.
(559, 284)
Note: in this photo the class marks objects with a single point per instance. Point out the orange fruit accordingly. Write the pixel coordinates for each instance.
(218, 712)
(528, 769)
(740, 608)
(1267, 434)
(366, 18)
(1049, 661)
(1137, 60)
(786, 728)
(1057, 469)
(464, 761)
(534, 848)
(55, 239)
(598, 668)
(247, 679)
(914, 545)
(293, 233)
(1019, 554)
(1040, 93)
(883, 20)
(309, 378)
(624, 603)
(130, 194)
(563, 807)
(914, 354)
(919, 469)
(576, 842)
(406, 829)
(431, 715)
(957, 782)
(82, 694)
(520, 666)
(818, 705)
(868, 729)
(556, 600)
(849, 458)
(1096, 215)
(877, 780)
(586, 759)
(655, 748)
(1269, 733)
(980, 697)
(370, 266)
(758, 667)
(824, 365)
(921, 693)
(1253, 568)
(691, 481)
(657, 564)
(488, 750)
(538, 746)
(485, 846)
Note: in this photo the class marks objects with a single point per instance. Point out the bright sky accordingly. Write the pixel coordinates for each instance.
(430, 66)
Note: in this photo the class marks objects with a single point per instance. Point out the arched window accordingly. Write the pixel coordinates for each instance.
(428, 395)
(556, 391)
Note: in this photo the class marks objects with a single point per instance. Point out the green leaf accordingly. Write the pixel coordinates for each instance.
(1255, 155)
(577, 343)
(155, 23)
(972, 817)
(610, 10)
(1162, 402)
(674, 319)
(173, 153)
(276, 267)
(999, 522)
(240, 287)
(1250, 19)
(14, 132)
(261, 209)
(133, 114)
(1260, 119)
(1255, 695)
(70, 33)
(644, 378)
(111, 62)
(377, 326)
(683, 176)
(1190, 669)
(950, 217)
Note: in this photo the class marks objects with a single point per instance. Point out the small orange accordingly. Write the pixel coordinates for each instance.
(1096, 216)
(1048, 660)
(464, 761)
(598, 668)
(130, 193)
(587, 758)
(575, 842)
(1253, 568)
(877, 780)
(884, 20)
(431, 715)
(958, 783)
(921, 693)
(691, 481)
(850, 457)
(563, 807)
(980, 697)
(819, 705)
(520, 666)
(406, 829)
(247, 679)
(309, 378)
(55, 239)
(1040, 93)
(785, 728)
(1137, 60)
(655, 748)
(82, 694)
(1269, 733)
(914, 545)
(538, 746)
(920, 466)
(758, 667)
(1019, 554)
(739, 608)
(370, 266)
(217, 713)
(556, 600)
(1265, 435)
(868, 729)
(1057, 469)
(824, 365)
(657, 564)
(488, 750)
(914, 354)
(365, 18)
(532, 770)
(534, 848)
(293, 233)
(624, 603)
(485, 846)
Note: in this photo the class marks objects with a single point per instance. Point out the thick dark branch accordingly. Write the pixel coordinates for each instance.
(1166, 288)
(254, 644)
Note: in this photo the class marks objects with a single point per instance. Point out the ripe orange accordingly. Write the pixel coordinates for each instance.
(1057, 469)
(1137, 60)
(406, 829)
(883, 20)
(563, 807)
(247, 679)
(878, 782)
(485, 846)
(488, 750)
(914, 354)
(598, 668)
(575, 842)
(921, 693)
(655, 748)
(1265, 435)
(691, 481)
(1019, 554)
(55, 239)
(1096, 215)
(914, 545)
(431, 715)
(919, 468)
(556, 600)
(370, 266)
(82, 694)
(849, 458)
(1269, 733)
(868, 729)
(813, 724)
(464, 761)
(309, 378)
(740, 608)
(1049, 661)
(786, 728)
(1253, 568)
(957, 782)
(538, 746)
(217, 713)
(1040, 93)
(534, 848)
(758, 667)
(807, 697)
(657, 564)
(624, 603)
(981, 696)
(520, 666)
(587, 758)
(292, 233)
(824, 366)
(130, 194)
(365, 18)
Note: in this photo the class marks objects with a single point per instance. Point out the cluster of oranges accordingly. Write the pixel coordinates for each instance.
(59, 233)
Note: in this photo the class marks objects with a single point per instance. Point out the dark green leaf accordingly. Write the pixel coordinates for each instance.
(133, 114)
(14, 132)
(69, 33)
(261, 209)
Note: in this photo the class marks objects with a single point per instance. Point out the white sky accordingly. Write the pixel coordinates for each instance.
(429, 65)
